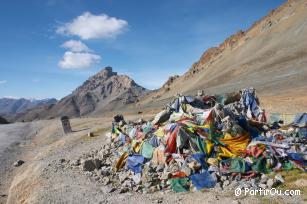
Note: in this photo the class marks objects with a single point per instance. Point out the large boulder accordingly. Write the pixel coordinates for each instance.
(91, 164)
(3, 120)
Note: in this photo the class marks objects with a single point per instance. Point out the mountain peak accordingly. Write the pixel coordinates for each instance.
(106, 73)
(103, 91)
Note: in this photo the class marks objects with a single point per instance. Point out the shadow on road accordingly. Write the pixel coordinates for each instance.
(80, 130)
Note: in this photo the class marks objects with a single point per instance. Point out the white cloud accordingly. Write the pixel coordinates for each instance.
(89, 26)
(75, 46)
(3, 81)
(78, 60)
(79, 56)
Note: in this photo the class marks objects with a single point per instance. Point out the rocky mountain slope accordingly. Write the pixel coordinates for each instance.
(270, 56)
(102, 92)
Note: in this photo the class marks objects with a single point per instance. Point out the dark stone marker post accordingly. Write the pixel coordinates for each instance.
(66, 124)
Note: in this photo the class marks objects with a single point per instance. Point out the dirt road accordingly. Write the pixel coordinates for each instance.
(13, 139)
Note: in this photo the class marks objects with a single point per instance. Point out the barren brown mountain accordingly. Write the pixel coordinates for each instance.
(105, 91)
(270, 56)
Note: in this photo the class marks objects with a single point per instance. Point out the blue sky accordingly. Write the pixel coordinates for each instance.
(48, 48)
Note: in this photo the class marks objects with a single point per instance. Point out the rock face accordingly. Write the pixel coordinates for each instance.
(170, 80)
(18, 163)
(102, 92)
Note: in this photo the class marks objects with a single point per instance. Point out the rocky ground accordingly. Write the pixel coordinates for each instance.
(64, 169)
(13, 139)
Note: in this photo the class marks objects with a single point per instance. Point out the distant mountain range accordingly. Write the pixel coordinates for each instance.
(12, 106)
(105, 91)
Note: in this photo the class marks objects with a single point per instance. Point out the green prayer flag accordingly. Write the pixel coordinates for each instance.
(179, 184)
